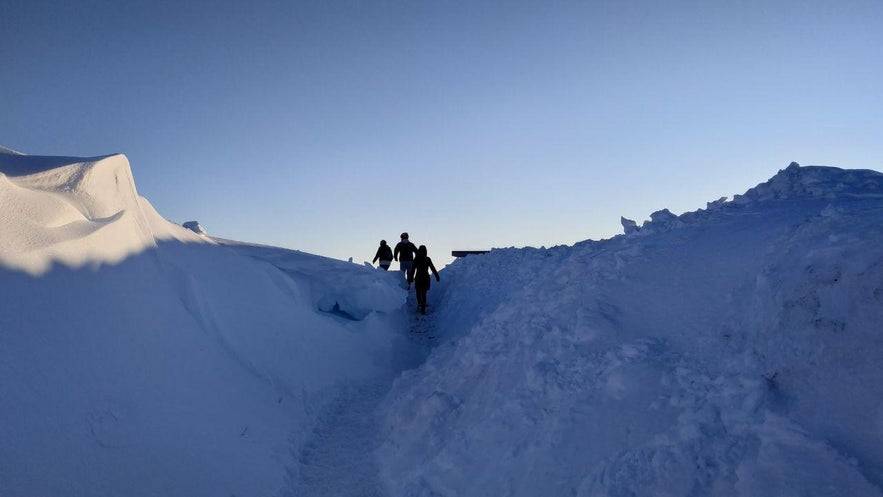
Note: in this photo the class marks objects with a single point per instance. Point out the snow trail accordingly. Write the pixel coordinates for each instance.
(338, 457)
(423, 329)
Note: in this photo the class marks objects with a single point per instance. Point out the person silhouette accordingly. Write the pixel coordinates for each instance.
(384, 253)
(419, 275)
(404, 254)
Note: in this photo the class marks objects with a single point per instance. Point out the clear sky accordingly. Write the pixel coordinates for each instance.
(325, 126)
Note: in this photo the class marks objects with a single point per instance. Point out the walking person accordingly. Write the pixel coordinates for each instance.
(404, 254)
(384, 253)
(419, 275)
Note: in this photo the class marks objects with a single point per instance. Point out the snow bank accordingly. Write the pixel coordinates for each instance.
(139, 358)
(735, 350)
(348, 290)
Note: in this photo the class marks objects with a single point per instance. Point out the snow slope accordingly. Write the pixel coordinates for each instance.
(139, 358)
(731, 351)
(736, 350)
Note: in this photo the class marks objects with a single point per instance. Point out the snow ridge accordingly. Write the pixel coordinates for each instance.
(816, 182)
(729, 351)
(139, 358)
(74, 211)
(734, 350)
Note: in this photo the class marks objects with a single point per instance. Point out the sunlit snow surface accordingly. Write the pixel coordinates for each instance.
(732, 351)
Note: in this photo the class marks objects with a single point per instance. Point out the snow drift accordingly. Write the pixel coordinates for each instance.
(139, 358)
(736, 350)
(732, 351)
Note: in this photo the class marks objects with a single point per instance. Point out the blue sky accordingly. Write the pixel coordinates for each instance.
(325, 126)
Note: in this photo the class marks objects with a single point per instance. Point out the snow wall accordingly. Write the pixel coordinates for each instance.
(732, 351)
(138, 358)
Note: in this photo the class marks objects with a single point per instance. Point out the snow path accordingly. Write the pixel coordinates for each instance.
(338, 457)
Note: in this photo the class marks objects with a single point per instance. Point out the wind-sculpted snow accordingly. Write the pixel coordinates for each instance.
(735, 350)
(138, 358)
(74, 211)
(334, 286)
(731, 351)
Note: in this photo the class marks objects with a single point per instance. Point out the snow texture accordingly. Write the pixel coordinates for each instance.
(736, 350)
(139, 358)
(195, 227)
(730, 351)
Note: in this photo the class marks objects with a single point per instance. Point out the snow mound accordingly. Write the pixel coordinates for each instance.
(816, 182)
(74, 211)
(729, 351)
(138, 358)
(793, 183)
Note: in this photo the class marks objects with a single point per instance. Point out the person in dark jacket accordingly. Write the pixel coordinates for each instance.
(384, 253)
(419, 275)
(404, 253)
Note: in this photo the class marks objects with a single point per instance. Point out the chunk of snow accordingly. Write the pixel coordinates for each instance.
(717, 204)
(195, 227)
(628, 225)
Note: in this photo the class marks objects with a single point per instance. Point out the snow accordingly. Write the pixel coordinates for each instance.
(195, 227)
(731, 351)
(139, 358)
(628, 225)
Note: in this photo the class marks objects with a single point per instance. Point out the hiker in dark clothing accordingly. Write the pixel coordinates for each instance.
(384, 253)
(419, 275)
(404, 253)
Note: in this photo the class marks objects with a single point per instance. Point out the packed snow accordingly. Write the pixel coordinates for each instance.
(732, 351)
